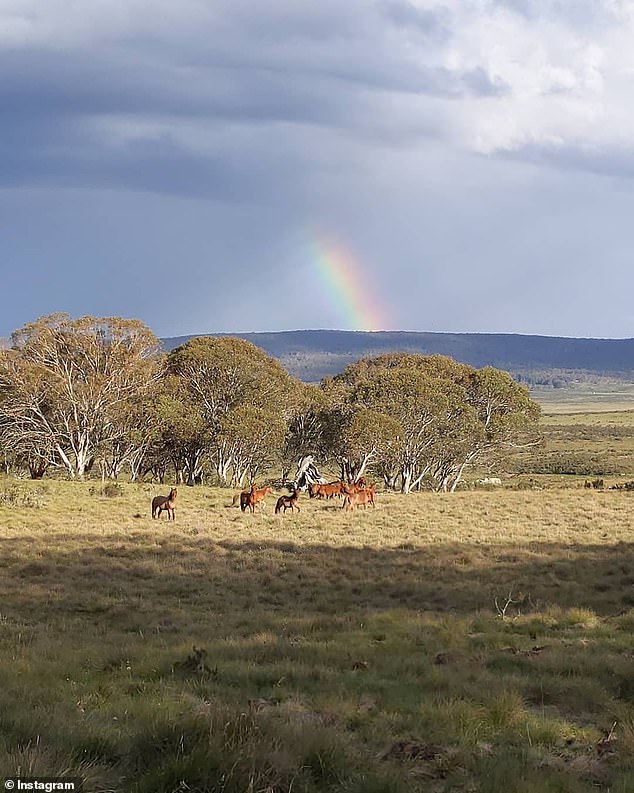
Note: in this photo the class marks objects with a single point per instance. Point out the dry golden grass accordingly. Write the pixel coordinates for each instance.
(438, 642)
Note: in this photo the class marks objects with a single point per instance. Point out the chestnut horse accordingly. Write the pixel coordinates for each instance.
(355, 498)
(330, 490)
(164, 503)
(354, 487)
(287, 502)
(249, 498)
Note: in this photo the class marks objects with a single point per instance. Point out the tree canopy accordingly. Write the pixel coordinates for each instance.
(78, 391)
(445, 416)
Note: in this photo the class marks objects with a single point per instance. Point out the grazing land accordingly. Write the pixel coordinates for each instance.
(477, 641)
(586, 398)
(584, 439)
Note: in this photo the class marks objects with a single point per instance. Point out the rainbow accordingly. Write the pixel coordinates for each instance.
(347, 285)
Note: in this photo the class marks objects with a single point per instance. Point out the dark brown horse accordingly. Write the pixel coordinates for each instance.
(164, 503)
(249, 498)
(287, 502)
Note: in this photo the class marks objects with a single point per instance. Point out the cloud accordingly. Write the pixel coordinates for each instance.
(487, 76)
(377, 118)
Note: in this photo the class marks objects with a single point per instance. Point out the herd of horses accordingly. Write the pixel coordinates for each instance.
(357, 494)
(354, 495)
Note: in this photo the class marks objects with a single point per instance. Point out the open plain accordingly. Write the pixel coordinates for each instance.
(476, 641)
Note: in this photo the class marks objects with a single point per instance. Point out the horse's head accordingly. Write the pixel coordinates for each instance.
(173, 494)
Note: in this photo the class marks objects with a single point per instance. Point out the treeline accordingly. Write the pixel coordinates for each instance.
(566, 378)
(97, 395)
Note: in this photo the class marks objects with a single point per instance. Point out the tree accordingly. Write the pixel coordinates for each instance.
(219, 376)
(445, 416)
(65, 381)
(306, 432)
(367, 436)
(184, 436)
(139, 425)
(254, 437)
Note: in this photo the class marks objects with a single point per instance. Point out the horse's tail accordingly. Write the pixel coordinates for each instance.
(234, 501)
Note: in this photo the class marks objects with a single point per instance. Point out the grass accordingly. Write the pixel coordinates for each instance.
(586, 398)
(582, 441)
(325, 651)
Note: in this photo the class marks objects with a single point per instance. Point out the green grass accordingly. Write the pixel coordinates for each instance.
(334, 651)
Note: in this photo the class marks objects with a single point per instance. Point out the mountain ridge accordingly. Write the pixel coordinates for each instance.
(313, 354)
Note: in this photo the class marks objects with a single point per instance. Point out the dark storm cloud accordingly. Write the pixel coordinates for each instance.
(326, 70)
(201, 143)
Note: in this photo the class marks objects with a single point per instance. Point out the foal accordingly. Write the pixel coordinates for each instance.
(164, 503)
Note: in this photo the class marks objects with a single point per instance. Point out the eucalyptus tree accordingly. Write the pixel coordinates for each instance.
(445, 416)
(254, 437)
(220, 375)
(65, 382)
(306, 426)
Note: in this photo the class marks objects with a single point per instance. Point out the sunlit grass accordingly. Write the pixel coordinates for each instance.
(437, 643)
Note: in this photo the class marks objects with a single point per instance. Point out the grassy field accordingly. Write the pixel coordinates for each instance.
(587, 435)
(480, 641)
(586, 398)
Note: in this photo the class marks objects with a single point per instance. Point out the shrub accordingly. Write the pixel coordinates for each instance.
(109, 490)
(13, 496)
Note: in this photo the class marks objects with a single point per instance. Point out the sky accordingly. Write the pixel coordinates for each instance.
(240, 165)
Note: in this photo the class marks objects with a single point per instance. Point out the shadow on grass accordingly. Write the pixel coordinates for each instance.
(105, 576)
(318, 662)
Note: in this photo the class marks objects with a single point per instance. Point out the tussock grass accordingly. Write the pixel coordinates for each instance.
(323, 651)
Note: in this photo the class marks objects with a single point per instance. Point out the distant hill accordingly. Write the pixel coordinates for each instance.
(537, 360)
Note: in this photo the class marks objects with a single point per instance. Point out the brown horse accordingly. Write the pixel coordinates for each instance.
(249, 498)
(354, 487)
(363, 496)
(330, 490)
(164, 503)
(287, 502)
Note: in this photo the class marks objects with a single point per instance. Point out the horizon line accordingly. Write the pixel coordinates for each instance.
(426, 332)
